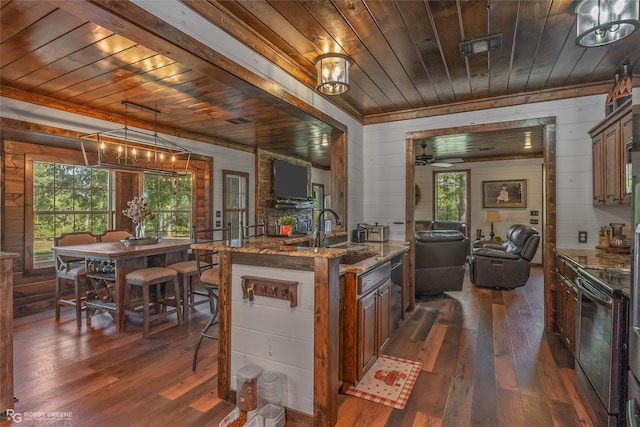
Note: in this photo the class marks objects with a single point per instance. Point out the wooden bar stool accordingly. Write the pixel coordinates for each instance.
(71, 269)
(187, 270)
(146, 278)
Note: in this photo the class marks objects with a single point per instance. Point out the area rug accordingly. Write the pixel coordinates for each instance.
(389, 381)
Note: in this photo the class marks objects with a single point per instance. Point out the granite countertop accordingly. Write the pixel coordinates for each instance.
(363, 256)
(596, 259)
(614, 270)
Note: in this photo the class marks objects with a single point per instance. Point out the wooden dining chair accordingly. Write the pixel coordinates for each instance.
(71, 269)
(114, 236)
(208, 273)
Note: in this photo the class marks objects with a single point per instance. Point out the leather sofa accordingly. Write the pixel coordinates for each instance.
(425, 225)
(508, 265)
(440, 259)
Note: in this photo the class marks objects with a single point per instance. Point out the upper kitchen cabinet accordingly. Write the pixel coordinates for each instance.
(612, 174)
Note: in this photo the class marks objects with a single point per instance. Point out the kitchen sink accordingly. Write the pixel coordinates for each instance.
(348, 246)
(354, 258)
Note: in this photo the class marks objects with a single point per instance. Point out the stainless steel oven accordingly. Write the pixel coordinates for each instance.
(601, 349)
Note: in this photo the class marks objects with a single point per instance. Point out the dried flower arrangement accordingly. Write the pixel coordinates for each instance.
(137, 210)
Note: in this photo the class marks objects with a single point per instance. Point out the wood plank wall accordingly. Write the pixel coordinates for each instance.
(34, 288)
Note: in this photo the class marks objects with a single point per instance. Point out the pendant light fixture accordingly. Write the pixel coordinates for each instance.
(132, 150)
(332, 73)
(600, 22)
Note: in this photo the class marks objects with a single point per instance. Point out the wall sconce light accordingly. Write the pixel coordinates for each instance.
(600, 22)
(131, 150)
(332, 73)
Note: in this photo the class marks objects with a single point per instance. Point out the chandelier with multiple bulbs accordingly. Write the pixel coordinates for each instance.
(133, 150)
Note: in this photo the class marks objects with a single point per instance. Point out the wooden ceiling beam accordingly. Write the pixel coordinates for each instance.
(497, 102)
(45, 101)
(134, 23)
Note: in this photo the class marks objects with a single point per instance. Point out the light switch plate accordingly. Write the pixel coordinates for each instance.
(582, 237)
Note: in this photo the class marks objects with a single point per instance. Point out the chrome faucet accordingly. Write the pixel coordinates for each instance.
(320, 234)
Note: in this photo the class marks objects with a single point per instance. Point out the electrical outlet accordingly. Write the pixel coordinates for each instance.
(218, 223)
(533, 221)
(534, 213)
(582, 237)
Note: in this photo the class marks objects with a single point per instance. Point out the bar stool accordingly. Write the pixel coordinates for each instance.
(146, 278)
(209, 274)
(187, 270)
(211, 285)
(71, 269)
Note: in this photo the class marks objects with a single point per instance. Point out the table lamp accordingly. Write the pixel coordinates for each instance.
(492, 216)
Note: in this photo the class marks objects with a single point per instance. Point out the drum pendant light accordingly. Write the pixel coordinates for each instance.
(332, 73)
(600, 22)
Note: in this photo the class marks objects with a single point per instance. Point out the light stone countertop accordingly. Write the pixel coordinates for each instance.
(597, 259)
(366, 254)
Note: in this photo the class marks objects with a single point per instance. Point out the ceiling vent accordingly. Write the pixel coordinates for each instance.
(481, 45)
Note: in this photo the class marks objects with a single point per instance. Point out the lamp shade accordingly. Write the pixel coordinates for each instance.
(332, 73)
(600, 22)
(493, 216)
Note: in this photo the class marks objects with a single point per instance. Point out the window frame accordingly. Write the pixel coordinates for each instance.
(155, 211)
(467, 198)
(244, 212)
(74, 158)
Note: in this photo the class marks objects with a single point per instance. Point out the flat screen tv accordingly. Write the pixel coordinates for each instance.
(289, 181)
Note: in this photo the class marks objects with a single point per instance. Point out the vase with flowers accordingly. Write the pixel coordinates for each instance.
(138, 211)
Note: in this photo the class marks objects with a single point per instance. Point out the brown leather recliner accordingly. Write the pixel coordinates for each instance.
(441, 256)
(508, 266)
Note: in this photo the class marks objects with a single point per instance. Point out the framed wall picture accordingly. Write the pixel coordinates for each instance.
(504, 194)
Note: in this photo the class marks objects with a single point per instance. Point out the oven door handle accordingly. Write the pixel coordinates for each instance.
(631, 413)
(594, 293)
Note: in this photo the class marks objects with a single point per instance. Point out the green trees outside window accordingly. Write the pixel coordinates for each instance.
(451, 196)
(170, 200)
(67, 198)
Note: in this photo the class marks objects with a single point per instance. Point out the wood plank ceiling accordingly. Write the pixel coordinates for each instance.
(89, 56)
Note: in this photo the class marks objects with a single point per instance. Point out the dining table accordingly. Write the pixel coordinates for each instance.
(119, 259)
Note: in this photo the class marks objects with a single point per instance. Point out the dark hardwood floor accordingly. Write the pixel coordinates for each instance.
(486, 362)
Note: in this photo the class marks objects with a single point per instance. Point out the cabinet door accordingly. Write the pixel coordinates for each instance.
(612, 165)
(367, 349)
(384, 315)
(560, 306)
(407, 292)
(626, 172)
(598, 171)
(572, 303)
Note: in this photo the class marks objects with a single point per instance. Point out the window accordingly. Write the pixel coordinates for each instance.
(451, 193)
(170, 200)
(236, 201)
(67, 198)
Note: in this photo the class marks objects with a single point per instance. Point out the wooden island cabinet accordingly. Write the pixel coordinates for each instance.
(365, 320)
(336, 289)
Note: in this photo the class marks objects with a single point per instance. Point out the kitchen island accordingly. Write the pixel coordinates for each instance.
(280, 309)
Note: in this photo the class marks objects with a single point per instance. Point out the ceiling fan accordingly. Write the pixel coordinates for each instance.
(425, 159)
